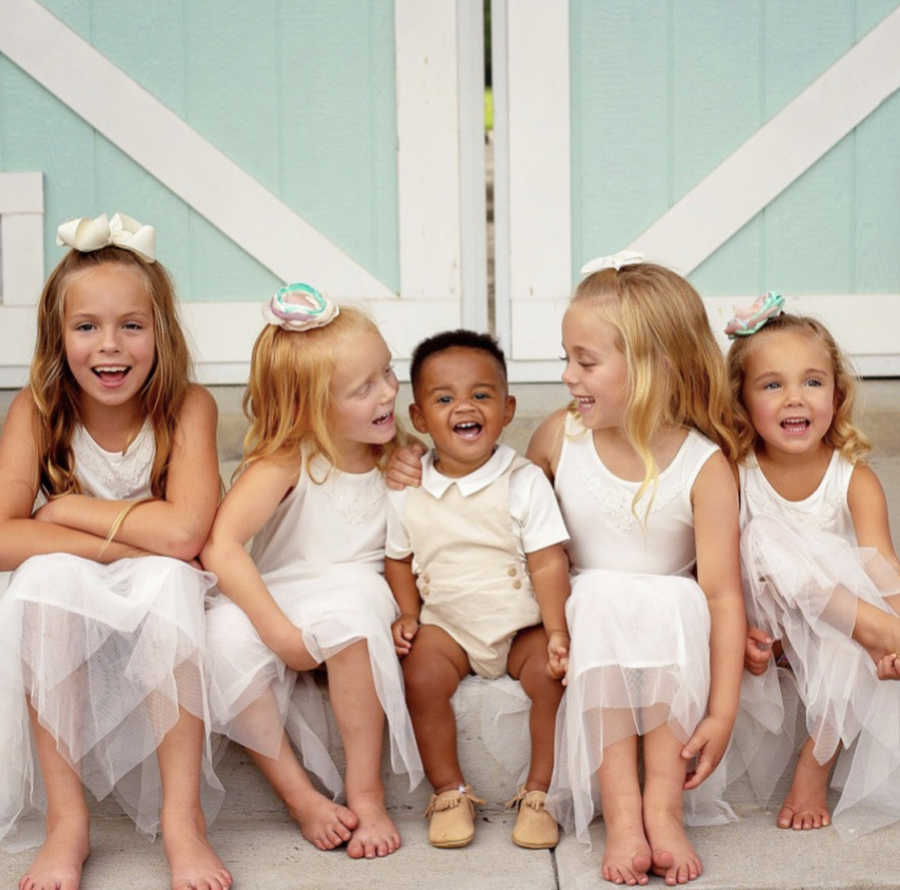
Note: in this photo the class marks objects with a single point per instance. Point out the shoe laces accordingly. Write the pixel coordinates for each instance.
(534, 799)
(451, 798)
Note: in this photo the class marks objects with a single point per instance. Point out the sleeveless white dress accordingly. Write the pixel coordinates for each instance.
(106, 654)
(321, 555)
(638, 620)
(803, 575)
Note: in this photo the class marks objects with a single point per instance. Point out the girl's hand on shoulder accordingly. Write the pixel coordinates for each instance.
(558, 654)
(404, 469)
(707, 744)
(757, 651)
(404, 630)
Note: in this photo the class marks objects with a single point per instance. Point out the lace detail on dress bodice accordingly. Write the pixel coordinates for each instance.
(114, 475)
(358, 498)
(616, 503)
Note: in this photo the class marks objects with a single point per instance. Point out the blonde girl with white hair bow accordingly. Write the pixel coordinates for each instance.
(108, 488)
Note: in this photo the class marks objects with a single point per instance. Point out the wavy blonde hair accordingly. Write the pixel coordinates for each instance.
(675, 370)
(56, 393)
(843, 434)
(288, 395)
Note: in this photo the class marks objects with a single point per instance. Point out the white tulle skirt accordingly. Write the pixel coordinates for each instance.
(255, 697)
(106, 655)
(804, 590)
(639, 658)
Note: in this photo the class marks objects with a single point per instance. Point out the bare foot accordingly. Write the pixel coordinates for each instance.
(192, 861)
(806, 806)
(376, 834)
(324, 823)
(626, 857)
(673, 856)
(58, 863)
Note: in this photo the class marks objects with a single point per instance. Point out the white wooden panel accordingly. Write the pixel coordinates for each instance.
(21, 193)
(21, 238)
(532, 155)
(765, 165)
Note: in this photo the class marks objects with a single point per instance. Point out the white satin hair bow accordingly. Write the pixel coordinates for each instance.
(86, 235)
(614, 261)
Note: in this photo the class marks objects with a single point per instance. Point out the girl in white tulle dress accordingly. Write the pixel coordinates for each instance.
(311, 591)
(820, 576)
(108, 487)
(655, 615)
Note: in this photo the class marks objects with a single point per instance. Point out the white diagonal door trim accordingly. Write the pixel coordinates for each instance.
(767, 163)
(173, 152)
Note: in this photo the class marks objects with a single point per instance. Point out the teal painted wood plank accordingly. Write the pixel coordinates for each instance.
(876, 234)
(808, 227)
(335, 110)
(620, 123)
(300, 95)
(716, 106)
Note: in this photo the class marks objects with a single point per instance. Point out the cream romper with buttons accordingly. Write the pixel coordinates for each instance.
(472, 578)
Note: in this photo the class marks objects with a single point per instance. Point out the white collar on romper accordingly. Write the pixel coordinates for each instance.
(435, 483)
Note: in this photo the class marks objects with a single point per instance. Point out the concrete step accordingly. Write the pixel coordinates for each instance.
(263, 849)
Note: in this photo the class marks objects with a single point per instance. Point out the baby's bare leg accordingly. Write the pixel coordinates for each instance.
(360, 719)
(626, 857)
(527, 663)
(664, 773)
(878, 632)
(58, 863)
(192, 860)
(432, 671)
(806, 804)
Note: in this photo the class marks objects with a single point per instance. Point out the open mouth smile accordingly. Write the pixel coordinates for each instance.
(111, 375)
(468, 429)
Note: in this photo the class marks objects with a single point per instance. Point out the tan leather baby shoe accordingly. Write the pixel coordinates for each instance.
(535, 828)
(452, 817)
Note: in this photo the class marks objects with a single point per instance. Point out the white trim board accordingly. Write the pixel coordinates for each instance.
(767, 163)
(865, 326)
(221, 342)
(21, 238)
(532, 197)
(175, 153)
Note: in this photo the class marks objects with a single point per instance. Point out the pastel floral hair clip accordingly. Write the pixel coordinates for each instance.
(749, 320)
(87, 235)
(299, 307)
(613, 261)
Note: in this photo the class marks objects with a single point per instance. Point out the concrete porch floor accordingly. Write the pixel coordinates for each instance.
(264, 850)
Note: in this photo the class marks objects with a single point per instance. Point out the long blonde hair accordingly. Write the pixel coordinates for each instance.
(675, 370)
(288, 394)
(843, 434)
(55, 391)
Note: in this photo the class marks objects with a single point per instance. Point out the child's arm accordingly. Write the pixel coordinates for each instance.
(549, 570)
(178, 524)
(20, 535)
(716, 532)
(868, 507)
(546, 443)
(399, 575)
(252, 500)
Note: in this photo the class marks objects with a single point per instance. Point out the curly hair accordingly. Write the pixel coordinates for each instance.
(843, 434)
(56, 393)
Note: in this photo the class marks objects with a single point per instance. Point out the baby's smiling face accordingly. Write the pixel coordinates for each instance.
(462, 402)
